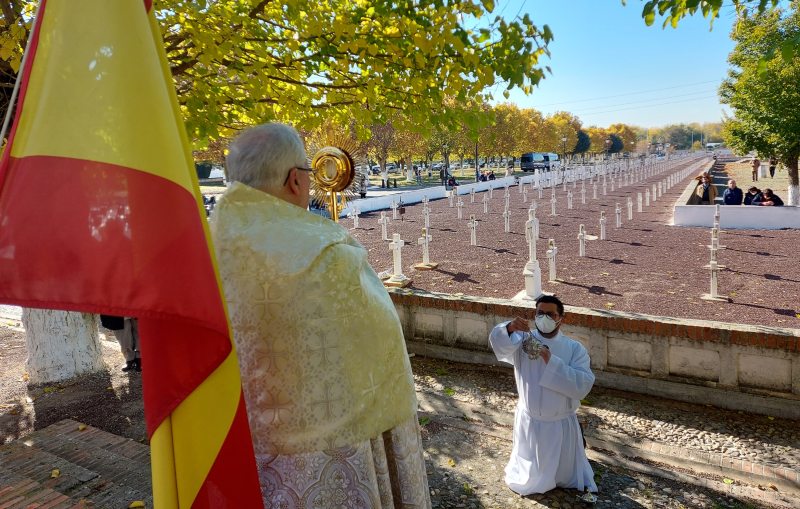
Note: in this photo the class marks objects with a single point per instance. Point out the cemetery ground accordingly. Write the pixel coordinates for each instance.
(645, 266)
(466, 412)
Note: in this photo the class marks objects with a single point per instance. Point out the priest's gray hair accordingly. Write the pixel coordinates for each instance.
(262, 156)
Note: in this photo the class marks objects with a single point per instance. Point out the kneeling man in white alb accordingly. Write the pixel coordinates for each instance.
(553, 375)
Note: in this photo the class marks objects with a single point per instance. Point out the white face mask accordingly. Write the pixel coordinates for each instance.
(545, 324)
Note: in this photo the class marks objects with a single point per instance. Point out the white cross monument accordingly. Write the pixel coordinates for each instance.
(602, 225)
(384, 221)
(398, 279)
(425, 241)
(473, 226)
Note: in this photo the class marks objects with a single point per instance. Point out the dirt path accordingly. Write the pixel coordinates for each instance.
(465, 457)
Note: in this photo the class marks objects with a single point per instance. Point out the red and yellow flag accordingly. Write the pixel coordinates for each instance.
(100, 212)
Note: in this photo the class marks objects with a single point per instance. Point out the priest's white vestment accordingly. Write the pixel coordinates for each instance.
(548, 443)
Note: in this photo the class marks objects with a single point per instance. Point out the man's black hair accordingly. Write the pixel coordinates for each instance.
(551, 299)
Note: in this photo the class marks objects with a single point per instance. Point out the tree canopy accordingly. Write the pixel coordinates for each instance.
(763, 90)
(239, 62)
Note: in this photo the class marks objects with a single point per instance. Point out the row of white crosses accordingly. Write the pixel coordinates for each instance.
(532, 272)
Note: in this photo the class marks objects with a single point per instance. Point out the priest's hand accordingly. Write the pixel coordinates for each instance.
(518, 324)
(545, 354)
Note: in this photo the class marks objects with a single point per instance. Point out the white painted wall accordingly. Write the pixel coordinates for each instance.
(734, 217)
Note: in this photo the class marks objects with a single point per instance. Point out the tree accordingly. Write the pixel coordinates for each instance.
(240, 62)
(617, 145)
(558, 126)
(407, 144)
(626, 135)
(583, 143)
(532, 129)
(61, 345)
(679, 136)
(505, 131)
(380, 143)
(763, 91)
(598, 137)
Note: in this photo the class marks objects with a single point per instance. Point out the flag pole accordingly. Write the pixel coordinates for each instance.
(15, 92)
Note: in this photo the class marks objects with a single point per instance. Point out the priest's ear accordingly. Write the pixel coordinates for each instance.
(296, 188)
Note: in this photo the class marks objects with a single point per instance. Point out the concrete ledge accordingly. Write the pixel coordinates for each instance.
(734, 366)
(788, 407)
(695, 330)
(738, 217)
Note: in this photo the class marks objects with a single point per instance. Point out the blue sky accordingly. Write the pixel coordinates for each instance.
(608, 66)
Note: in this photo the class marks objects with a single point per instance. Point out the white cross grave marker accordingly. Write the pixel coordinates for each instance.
(397, 279)
(602, 225)
(473, 226)
(424, 241)
(384, 221)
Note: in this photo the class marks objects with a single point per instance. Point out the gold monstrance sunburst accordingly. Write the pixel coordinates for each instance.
(333, 161)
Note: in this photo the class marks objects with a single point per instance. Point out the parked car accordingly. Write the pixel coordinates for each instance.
(531, 161)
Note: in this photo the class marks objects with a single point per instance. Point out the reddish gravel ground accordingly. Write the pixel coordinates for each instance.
(646, 266)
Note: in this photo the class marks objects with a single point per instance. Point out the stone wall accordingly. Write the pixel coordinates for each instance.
(741, 367)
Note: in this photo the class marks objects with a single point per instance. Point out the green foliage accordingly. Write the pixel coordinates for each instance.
(583, 143)
(240, 62)
(673, 11)
(616, 145)
(763, 90)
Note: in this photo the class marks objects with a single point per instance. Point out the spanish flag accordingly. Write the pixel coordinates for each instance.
(100, 212)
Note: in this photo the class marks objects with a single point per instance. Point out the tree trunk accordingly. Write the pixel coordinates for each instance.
(793, 196)
(409, 169)
(61, 345)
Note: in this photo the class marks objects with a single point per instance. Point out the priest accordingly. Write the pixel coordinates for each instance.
(553, 375)
(326, 377)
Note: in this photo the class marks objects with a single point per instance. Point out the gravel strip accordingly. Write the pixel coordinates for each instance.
(630, 417)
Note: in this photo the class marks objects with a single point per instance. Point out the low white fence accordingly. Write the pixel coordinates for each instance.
(733, 217)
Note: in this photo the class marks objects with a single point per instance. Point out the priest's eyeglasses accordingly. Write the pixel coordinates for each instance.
(299, 168)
